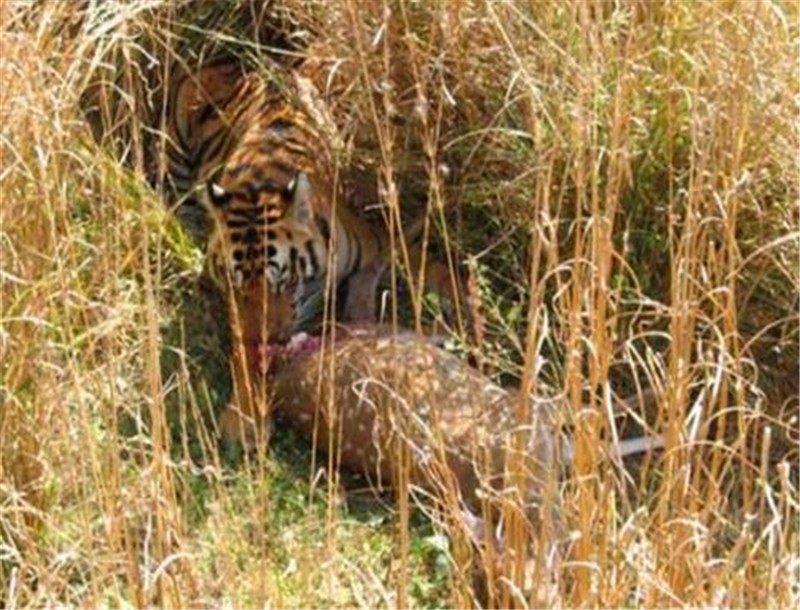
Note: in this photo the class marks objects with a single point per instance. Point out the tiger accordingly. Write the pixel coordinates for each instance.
(259, 156)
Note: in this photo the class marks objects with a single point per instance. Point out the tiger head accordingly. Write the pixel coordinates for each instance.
(266, 241)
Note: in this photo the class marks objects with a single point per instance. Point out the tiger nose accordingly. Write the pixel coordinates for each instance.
(266, 315)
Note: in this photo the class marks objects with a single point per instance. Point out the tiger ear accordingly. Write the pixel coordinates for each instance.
(216, 194)
(300, 191)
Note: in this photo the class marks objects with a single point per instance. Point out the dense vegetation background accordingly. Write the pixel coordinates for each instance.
(616, 181)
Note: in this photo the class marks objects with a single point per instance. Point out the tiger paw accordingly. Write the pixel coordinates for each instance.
(236, 427)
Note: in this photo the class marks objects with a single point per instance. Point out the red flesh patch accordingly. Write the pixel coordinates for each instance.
(300, 345)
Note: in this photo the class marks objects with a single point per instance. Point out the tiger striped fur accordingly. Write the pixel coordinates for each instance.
(260, 157)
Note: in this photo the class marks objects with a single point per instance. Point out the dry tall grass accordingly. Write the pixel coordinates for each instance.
(623, 181)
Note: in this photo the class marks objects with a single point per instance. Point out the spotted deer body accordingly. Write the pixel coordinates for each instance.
(368, 397)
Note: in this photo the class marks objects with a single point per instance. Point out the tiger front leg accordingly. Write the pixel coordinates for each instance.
(362, 288)
(245, 418)
(236, 426)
